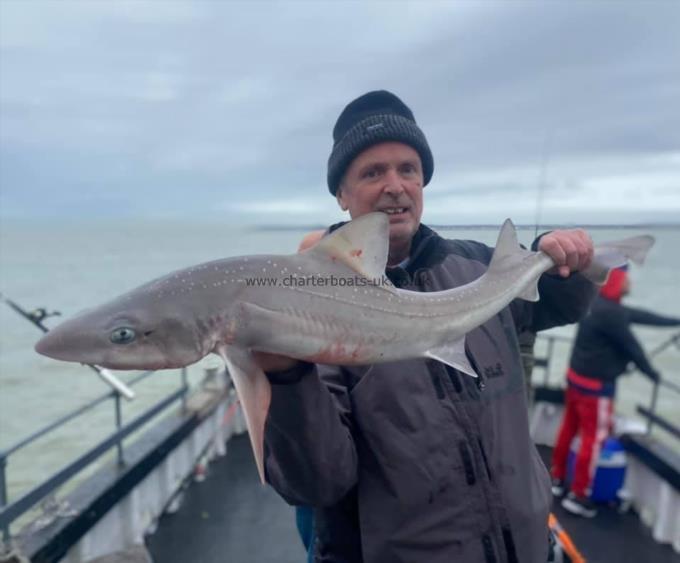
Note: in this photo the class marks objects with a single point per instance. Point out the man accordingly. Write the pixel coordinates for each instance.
(413, 461)
(603, 348)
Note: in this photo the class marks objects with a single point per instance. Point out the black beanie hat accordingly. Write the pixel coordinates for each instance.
(375, 117)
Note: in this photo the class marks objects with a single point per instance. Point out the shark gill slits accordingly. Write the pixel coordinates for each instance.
(122, 335)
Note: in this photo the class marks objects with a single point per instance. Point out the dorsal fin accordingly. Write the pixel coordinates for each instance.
(507, 249)
(507, 245)
(361, 244)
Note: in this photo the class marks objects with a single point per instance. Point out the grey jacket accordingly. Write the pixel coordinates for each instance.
(413, 461)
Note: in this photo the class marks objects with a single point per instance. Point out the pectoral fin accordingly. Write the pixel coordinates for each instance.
(530, 293)
(453, 354)
(254, 392)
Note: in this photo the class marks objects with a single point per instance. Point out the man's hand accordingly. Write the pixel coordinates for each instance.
(571, 250)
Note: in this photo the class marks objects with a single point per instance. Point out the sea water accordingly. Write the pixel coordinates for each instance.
(69, 267)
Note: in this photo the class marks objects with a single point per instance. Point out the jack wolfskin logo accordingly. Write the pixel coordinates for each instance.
(374, 127)
(494, 371)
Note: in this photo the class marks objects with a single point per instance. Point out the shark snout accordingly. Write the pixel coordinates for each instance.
(50, 345)
(65, 343)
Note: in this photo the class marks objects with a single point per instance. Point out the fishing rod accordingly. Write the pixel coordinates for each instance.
(675, 339)
(545, 158)
(37, 316)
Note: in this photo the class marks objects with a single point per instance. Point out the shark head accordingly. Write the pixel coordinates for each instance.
(126, 334)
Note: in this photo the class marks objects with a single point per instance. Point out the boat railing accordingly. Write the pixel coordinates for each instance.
(546, 362)
(11, 511)
(653, 418)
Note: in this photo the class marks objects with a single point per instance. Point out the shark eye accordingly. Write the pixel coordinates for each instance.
(123, 335)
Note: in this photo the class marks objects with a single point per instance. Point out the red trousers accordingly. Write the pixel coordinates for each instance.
(590, 416)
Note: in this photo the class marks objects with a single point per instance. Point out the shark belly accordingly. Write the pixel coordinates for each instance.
(345, 337)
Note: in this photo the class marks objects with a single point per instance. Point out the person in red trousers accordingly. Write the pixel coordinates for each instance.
(603, 348)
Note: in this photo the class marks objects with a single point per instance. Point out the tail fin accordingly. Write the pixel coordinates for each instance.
(615, 254)
(507, 248)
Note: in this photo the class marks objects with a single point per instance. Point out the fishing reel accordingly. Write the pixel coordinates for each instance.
(40, 314)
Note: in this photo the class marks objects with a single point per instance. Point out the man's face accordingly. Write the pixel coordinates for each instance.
(386, 177)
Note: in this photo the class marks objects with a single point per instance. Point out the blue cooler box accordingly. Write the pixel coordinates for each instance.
(609, 473)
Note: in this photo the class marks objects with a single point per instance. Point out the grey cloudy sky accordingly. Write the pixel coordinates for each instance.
(225, 109)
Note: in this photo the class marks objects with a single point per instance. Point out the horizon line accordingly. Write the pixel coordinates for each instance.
(522, 226)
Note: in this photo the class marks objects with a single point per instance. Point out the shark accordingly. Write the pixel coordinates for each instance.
(331, 303)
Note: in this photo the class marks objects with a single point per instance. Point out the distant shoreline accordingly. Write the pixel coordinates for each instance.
(495, 227)
(50, 223)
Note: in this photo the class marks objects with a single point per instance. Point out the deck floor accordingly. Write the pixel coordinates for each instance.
(611, 537)
(231, 517)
